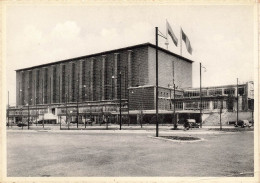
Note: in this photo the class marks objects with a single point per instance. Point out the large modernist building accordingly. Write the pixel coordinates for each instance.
(92, 83)
(91, 86)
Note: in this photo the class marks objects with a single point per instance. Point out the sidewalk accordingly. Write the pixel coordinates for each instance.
(146, 129)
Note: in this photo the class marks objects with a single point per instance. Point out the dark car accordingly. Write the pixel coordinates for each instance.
(21, 124)
(243, 123)
(192, 123)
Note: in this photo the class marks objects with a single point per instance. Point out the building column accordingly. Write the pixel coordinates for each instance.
(80, 87)
(211, 105)
(115, 75)
(129, 68)
(91, 79)
(103, 76)
(60, 82)
(70, 80)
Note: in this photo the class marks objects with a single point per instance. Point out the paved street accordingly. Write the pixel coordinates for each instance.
(83, 153)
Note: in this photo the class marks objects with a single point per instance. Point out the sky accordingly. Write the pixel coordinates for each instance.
(221, 36)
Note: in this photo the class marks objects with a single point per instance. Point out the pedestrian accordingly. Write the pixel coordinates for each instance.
(186, 125)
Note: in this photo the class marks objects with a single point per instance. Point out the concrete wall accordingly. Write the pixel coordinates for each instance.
(182, 71)
(98, 83)
(142, 98)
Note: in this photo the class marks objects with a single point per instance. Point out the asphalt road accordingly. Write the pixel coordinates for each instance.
(93, 153)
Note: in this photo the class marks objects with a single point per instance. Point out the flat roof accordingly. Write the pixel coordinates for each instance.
(215, 87)
(107, 52)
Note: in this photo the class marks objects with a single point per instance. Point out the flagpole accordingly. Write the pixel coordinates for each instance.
(156, 55)
(200, 100)
(166, 42)
(181, 42)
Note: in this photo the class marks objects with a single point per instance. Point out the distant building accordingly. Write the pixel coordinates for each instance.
(187, 100)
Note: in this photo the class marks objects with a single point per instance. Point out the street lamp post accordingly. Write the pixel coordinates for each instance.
(8, 111)
(220, 101)
(28, 116)
(120, 102)
(237, 103)
(78, 104)
(200, 100)
(35, 101)
(120, 98)
(70, 118)
(21, 116)
(66, 109)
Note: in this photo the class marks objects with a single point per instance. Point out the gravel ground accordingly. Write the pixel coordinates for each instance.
(93, 153)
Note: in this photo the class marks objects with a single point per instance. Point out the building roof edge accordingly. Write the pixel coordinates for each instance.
(103, 53)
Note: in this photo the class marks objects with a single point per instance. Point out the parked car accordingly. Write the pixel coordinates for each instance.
(75, 122)
(20, 124)
(243, 123)
(192, 123)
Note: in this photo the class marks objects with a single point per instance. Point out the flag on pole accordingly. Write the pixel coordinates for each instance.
(170, 32)
(187, 41)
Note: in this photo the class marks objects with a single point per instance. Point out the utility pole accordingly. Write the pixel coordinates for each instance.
(120, 101)
(127, 94)
(36, 98)
(22, 116)
(66, 109)
(8, 111)
(85, 119)
(112, 89)
(19, 93)
(142, 108)
(220, 111)
(42, 103)
(174, 115)
(100, 94)
(28, 116)
(67, 100)
(59, 89)
(200, 100)
(156, 54)
(237, 103)
(59, 100)
(50, 91)
(174, 118)
(42, 93)
(78, 104)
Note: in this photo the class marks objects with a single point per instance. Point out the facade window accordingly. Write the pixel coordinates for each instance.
(241, 91)
(191, 105)
(195, 93)
(214, 92)
(229, 91)
(215, 104)
(178, 105)
(205, 105)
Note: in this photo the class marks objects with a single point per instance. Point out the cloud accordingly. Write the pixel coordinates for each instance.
(66, 31)
(32, 34)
